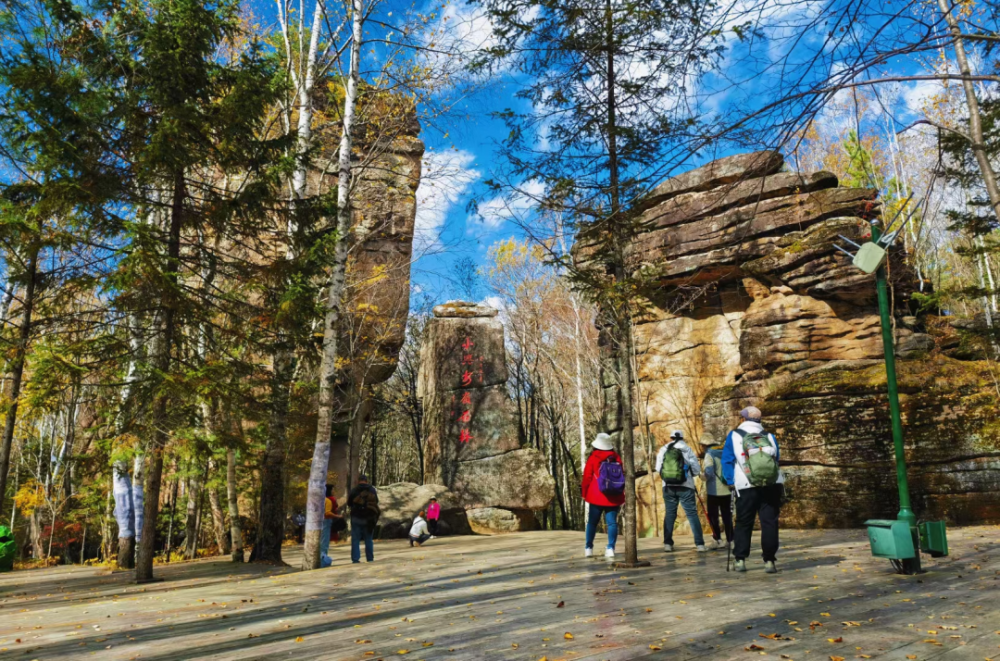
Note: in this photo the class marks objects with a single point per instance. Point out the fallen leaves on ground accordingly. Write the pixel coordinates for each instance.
(568, 636)
(838, 639)
(655, 648)
(560, 604)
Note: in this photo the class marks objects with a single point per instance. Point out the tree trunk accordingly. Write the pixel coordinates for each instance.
(978, 143)
(147, 537)
(17, 371)
(218, 518)
(191, 522)
(271, 523)
(235, 531)
(335, 291)
(622, 320)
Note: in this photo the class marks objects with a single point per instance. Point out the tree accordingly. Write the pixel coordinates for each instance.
(603, 86)
(149, 120)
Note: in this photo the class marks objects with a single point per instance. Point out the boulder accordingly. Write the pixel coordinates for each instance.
(401, 502)
(495, 520)
(515, 480)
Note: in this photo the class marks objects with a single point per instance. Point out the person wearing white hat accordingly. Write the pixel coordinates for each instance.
(750, 467)
(604, 491)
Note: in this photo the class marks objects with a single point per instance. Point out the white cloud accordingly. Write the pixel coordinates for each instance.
(917, 95)
(445, 178)
(495, 212)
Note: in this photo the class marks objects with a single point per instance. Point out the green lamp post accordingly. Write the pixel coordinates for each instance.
(902, 539)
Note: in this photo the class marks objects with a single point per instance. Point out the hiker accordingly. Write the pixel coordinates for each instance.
(750, 467)
(418, 531)
(333, 522)
(433, 514)
(363, 501)
(678, 465)
(719, 497)
(604, 491)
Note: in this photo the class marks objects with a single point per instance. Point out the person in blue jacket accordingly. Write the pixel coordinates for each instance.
(752, 502)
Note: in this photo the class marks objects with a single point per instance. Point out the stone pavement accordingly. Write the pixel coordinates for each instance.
(522, 596)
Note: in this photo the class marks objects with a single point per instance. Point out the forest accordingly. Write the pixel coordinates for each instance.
(190, 334)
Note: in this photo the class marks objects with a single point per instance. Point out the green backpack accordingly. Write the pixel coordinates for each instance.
(672, 468)
(761, 468)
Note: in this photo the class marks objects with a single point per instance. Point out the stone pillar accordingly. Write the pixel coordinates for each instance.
(470, 423)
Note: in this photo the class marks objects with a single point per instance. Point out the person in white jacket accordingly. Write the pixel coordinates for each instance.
(763, 502)
(418, 531)
(681, 493)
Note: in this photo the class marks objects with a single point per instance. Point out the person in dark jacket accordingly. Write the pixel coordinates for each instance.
(601, 505)
(363, 501)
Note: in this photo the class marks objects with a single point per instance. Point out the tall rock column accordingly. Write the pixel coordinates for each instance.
(470, 424)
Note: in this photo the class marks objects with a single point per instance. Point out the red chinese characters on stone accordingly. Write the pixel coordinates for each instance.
(465, 413)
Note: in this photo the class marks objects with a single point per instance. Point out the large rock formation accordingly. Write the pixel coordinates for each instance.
(470, 428)
(749, 302)
(377, 294)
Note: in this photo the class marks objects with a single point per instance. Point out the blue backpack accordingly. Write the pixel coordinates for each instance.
(611, 477)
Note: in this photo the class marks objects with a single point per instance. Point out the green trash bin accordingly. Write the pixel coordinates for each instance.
(8, 549)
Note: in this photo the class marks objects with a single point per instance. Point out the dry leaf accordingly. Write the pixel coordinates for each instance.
(836, 658)
(568, 636)
(402, 651)
(839, 639)
(560, 604)
(299, 639)
(655, 648)
(851, 624)
(753, 648)
(514, 645)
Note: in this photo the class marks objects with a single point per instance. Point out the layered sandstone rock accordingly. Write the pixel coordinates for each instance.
(470, 426)
(751, 304)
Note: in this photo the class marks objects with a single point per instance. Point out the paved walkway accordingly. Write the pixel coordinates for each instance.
(525, 596)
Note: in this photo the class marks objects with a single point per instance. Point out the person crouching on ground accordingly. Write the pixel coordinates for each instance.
(718, 496)
(678, 465)
(433, 514)
(604, 491)
(418, 531)
(750, 467)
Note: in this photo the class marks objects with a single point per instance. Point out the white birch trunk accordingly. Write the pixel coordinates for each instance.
(328, 365)
(975, 119)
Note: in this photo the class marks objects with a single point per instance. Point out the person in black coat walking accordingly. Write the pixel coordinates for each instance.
(363, 502)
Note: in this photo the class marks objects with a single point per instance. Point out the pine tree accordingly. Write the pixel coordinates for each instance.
(603, 87)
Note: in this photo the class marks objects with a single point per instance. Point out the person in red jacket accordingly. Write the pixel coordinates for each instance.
(602, 505)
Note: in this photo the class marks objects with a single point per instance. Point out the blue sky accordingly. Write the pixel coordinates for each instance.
(461, 147)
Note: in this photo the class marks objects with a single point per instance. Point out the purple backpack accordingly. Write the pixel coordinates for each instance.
(611, 477)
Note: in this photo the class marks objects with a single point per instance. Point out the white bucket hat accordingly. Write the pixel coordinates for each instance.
(602, 442)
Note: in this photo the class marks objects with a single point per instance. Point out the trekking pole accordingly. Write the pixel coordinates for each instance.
(729, 544)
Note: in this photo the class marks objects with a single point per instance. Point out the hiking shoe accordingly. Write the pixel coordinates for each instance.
(741, 565)
(609, 554)
(668, 547)
(702, 549)
(769, 567)
(588, 553)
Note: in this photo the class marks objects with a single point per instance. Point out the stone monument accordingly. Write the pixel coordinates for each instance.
(470, 424)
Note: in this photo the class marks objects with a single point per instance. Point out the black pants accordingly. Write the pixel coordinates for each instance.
(432, 525)
(720, 505)
(763, 502)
